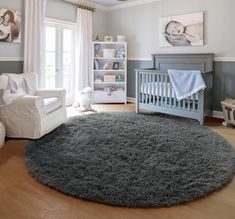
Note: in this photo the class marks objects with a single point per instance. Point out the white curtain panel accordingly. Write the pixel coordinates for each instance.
(83, 50)
(35, 12)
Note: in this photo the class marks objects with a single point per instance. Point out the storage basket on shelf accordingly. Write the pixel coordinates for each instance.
(229, 111)
(108, 53)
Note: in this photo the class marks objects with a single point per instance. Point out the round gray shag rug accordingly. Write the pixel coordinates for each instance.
(125, 159)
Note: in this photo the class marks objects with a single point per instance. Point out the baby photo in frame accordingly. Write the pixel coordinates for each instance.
(115, 65)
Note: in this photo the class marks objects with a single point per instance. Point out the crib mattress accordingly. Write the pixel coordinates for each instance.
(161, 89)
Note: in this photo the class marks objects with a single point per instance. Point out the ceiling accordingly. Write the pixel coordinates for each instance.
(109, 2)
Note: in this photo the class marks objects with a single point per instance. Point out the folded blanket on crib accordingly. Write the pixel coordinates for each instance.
(186, 83)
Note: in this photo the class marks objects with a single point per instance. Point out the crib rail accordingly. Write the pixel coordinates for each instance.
(154, 90)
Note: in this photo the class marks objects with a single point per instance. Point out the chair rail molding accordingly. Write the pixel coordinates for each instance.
(216, 59)
(11, 59)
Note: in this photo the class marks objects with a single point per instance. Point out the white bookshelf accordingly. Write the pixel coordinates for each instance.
(104, 67)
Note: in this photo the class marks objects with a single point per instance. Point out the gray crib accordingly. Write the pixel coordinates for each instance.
(154, 90)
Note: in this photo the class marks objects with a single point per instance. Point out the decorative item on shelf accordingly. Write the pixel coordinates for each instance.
(116, 65)
(120, 78)
(98, 38)
(99, 90)
(109, 90)
(121, 53)
(96, 65)
(124, 64)
(105, 66)
(109, 78)
(98, 79)
(108, 53)
(120, 89)
(121, 38)
(97, 50)
(108, 38)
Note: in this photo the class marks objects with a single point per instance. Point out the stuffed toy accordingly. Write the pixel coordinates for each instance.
(85, 100)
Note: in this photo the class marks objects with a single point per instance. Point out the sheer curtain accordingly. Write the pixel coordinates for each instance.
(83, 50)
(35, 12)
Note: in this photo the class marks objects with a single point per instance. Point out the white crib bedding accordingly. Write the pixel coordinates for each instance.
(160, 88)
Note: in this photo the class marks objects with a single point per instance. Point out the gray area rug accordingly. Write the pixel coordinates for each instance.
(125, 159)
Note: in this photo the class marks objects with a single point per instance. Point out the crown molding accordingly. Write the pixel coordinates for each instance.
(11, 59)
(131, 4)
(116, 7)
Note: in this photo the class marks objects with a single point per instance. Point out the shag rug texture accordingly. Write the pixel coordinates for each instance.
(132, 160)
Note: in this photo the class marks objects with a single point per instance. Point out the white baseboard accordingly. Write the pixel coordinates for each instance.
(215, 114)
(218, 114)
(131, 100)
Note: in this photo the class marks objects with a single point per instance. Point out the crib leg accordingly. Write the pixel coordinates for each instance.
(137, 110)
(201, 120)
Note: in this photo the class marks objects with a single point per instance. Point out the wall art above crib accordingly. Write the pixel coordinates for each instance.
(182, 30)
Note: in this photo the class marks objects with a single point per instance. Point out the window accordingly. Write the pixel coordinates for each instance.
(59, 63)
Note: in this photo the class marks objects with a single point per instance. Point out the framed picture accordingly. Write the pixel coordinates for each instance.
(116, 65)
(10, 26)
(108, 39)
(182, 30)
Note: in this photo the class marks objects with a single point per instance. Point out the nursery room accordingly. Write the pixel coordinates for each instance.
(117, 109)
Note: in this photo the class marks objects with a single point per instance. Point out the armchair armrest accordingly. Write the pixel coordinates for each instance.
(48, 93)
(31, 105)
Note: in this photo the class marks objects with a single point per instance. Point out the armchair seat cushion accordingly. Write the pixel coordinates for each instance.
(51, 104)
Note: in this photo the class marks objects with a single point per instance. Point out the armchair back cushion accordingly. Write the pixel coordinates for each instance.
(31, 78)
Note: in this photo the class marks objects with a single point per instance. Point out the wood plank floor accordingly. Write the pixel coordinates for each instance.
(22, 197)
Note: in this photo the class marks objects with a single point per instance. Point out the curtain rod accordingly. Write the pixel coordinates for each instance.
(82, 5)
(85, 7)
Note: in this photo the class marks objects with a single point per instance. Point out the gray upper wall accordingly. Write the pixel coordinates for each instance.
(67, 12)
(141, 25)
(56, 9)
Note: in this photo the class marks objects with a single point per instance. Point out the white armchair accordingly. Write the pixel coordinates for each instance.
(34, 116)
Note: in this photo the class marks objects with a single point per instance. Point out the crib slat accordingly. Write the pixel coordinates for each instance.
(154, 90)
(151, 86)
(189, 99)
(166, 90)
(194, 103)
(143, 87)
(149, 89)
(146, 92)
(179, 103)
(162, 93)
(158, 89)
(174, 95)
(184, 107)
(170, 87)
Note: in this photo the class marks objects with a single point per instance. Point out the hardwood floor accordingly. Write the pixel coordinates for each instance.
(22, 197)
